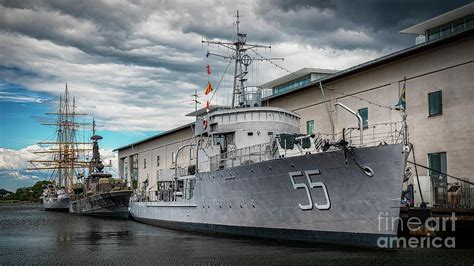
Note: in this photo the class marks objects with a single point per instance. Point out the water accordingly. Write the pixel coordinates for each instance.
(29, 235)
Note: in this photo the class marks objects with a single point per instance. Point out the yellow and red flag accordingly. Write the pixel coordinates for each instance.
(208, 88)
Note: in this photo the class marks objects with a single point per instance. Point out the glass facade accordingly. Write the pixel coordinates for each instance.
(435, 103)
(364, 113)
(450, 28)
(294, 84)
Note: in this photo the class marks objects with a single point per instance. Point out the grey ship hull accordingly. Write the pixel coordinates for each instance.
(112, 204)
(260, 200)
(56, 204)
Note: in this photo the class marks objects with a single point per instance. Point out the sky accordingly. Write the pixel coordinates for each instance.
(132, 65)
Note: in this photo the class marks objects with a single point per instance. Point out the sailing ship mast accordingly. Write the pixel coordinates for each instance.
(64, 152)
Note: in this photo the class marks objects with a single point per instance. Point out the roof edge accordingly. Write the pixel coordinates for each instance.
(162, 134)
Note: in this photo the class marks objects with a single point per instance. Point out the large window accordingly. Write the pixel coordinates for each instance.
(437, 164)
(364, 114)
(450, 28)
(435, 103)
(438, 169)
(294, 84)
(309, 127)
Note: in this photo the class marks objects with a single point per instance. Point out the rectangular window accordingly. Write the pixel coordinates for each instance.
(445, 30)
(309, 127)
(158, 160)
(437, 163)
(458, 25)
(144, 163)
(191, 153)
(364, 114)
(433, 34)
(435, 103)
(173, 157)
(469, 22)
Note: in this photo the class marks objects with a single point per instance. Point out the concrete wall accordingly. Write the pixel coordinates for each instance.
(449, 68)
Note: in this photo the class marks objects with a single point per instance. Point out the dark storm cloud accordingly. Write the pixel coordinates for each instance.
(379, 20)
(141, 58)
(106, 30)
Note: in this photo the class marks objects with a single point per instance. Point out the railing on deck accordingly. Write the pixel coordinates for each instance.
(243, 156)
(374, 135)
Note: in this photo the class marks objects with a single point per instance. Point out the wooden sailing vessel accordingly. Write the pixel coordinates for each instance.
(63, 156)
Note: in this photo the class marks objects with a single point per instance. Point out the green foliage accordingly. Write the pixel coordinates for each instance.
(4, 192)
(27, 193)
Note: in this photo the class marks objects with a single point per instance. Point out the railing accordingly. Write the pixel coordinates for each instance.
(250, 97)
(374, 135)
(244, 156)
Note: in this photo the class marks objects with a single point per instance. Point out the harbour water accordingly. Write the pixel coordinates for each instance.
(29, 235)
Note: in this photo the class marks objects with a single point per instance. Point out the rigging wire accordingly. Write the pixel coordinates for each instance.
(273, 63)
(218, 84)
(439, 172)
(364, 100)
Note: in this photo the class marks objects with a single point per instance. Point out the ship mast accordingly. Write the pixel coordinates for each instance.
(242, 60)
(65, 153)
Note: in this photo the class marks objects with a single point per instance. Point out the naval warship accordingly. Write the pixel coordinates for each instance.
(99, 194)
(256, 175)
(63, 155)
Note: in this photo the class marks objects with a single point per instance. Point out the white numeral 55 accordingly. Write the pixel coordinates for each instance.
(312, 184)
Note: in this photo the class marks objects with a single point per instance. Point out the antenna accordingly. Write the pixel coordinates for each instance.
(242, 60)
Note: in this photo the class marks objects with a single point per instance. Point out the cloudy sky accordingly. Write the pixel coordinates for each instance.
(134, 64)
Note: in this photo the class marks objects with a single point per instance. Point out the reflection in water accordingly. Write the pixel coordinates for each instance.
(30, 235)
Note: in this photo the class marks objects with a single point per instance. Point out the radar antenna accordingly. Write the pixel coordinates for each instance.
(242, 60)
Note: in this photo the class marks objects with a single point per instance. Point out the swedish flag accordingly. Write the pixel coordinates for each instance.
(402, 102)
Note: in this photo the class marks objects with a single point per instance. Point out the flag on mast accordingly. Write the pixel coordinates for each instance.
(402, 101)
(208, 88)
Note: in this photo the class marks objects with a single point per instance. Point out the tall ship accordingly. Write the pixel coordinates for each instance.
(63, 155)
(256, 175)
(99, 194)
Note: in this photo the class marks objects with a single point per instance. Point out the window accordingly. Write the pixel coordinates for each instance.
(458, 25)
(144, 163)
(309, 127)
(191, 153)
(173, 157)
(158, 160)
(469, 21)
(435, 103)
(437, 162)
(249, 133)
(364, 114)
(445, 30)
(433, 34)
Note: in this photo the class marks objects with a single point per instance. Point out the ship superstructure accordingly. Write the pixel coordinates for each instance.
(99, 194)
(256, 175)
(63, 156)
